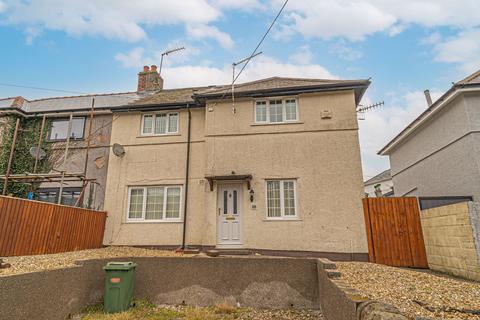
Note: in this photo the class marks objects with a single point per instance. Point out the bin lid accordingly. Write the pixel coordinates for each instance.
(120, 266)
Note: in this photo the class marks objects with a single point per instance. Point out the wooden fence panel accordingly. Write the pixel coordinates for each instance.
(394, 232)
(31, 227)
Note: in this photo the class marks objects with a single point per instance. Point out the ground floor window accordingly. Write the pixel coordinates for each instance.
(69, 195)
(281, 199)
(154, 203)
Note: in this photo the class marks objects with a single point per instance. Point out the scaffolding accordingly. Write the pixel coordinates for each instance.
(62, 177)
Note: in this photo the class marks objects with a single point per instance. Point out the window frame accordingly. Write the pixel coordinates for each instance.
(282, 200)
(167, 122)
(144, 205)
(55, 190)
(267, 110)
(49, 139)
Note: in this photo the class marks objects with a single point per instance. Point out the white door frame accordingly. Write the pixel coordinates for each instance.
(222, 218)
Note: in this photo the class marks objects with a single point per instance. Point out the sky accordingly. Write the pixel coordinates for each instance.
(98, 46)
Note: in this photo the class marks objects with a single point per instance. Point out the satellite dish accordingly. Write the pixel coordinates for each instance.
(34, 151)
(118, 150)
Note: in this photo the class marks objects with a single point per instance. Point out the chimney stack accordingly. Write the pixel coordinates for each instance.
(149, 80)
(428, 97)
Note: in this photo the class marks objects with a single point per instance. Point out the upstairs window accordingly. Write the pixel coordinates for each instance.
(160, 124)
(276, 111)
(59, 129)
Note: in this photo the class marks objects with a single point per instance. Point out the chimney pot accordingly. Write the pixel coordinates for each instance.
(428, 97)
(149, 80)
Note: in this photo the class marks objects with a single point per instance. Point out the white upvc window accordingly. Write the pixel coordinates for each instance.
(276, 110)
(281, 199)
(154, 204)
(159, 124)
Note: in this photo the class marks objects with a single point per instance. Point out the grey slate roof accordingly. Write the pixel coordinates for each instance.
(274, 83)
(382, 176)
(180, 96)
(169, 96)
(71, 103)
(187, 95)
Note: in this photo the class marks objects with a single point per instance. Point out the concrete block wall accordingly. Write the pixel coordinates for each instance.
(451, 235)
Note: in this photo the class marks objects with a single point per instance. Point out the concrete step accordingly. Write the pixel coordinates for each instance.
(234, 252)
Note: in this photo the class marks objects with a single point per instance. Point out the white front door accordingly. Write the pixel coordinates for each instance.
(229, 213)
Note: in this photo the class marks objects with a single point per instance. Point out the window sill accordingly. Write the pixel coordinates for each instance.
(152, 222)
(159, 135)
(282, 219)
(276, 123)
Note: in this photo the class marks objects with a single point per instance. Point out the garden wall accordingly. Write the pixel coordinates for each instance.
(261, 282)
(250, 282)
(451, 236)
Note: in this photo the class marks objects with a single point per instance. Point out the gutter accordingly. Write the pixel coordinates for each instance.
(187, 169)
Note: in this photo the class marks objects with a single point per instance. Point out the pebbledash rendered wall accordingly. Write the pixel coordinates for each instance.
(452, 239)
(321, 154)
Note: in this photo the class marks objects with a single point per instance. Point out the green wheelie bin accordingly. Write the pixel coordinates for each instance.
(118, 286)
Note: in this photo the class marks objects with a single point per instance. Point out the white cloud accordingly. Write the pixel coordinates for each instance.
(3, 6)
(356, 19)
(121, 19)
(462, 49)
(134, 58)
(325, 19)
(344, 51)
(383, 124)
(238, 4)
(204, 32)
(262, 67)
(303, 56)
(139, 56)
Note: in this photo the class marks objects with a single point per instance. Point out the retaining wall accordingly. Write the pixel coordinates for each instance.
(249, 282)
(451, 236)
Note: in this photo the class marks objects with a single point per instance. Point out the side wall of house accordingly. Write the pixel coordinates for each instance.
(440, 158)
(98, 156)
(155, 160)
(323, 155)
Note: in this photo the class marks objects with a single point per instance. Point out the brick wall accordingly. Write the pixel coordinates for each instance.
(451, 236)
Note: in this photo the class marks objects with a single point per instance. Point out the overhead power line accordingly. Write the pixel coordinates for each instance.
(39, 88)
(261, 40)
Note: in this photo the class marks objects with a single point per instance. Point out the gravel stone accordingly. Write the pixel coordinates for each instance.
(24, 264)
(403, 287)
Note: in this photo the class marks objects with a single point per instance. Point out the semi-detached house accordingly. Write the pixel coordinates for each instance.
(261, 170)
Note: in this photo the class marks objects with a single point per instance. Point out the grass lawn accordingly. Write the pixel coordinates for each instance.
(148, 311)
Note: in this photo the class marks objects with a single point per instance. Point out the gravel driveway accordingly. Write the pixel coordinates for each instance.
(414, 292)
(25, 264)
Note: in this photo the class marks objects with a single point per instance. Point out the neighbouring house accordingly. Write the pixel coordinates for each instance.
(57, 112)
(262, 171)
(380, 185)
(437, 156)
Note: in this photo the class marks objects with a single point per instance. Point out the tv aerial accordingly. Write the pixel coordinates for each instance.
(234, 64)
(362, 109)
(166, 53)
